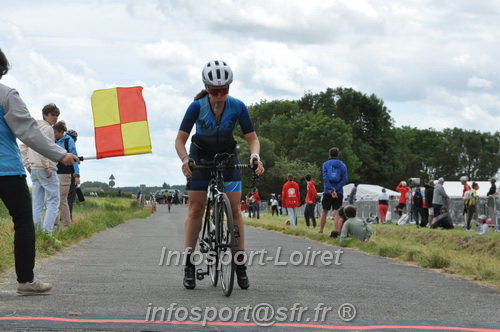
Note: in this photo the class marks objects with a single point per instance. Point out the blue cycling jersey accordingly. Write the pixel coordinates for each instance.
(210, 135)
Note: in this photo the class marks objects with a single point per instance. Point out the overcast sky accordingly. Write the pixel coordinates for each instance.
(434, 63)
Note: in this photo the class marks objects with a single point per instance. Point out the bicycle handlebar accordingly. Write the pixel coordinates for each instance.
(221, 161)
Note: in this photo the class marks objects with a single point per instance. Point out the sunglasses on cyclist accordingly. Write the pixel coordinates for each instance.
(215, 91)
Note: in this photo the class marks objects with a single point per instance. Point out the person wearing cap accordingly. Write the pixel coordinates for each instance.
(440, 197)
(466, 189)
(463, 181)
(483, 225)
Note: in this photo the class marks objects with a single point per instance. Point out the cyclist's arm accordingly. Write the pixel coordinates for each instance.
(254, 146)
(180, 147)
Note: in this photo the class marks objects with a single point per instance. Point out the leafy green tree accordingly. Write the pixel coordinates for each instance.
(371, 128)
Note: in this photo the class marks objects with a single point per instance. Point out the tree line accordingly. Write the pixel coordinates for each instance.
(296, 135)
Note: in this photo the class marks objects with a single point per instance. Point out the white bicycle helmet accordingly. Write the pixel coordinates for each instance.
(217, 73)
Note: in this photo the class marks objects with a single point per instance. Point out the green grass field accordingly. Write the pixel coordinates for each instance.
(477, 260)
(92, 216)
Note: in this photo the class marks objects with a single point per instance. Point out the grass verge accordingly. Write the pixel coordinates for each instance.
(92, 216)
(478, 259)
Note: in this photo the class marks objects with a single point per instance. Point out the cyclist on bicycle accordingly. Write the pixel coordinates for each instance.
(215, 114)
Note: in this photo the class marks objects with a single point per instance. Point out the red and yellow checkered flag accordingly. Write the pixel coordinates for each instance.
(120, 121)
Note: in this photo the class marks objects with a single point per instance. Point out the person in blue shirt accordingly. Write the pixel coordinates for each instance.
(214, 114)
(16, 122)
(65, 173)
(334, 177)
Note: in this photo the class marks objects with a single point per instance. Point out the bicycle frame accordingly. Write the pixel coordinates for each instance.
(213, 233)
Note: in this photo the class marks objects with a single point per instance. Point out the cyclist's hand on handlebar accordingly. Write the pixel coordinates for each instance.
(260, 167)
(186, 167)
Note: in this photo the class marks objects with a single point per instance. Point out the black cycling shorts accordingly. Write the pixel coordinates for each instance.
(201, 178)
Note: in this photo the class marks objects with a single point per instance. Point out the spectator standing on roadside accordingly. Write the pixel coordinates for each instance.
(492, 194)
(280, 205)
(470, 201)
(334, 177)
(16, 122)
(310, 201)
(45, 182)
(274, 205)
(75, 179)
(65, 173)
(256, 203)
(403, 198)
(429, 193)
(440, 197)
(291, 199)
(352, 195)
(383, 205)
(250, 200)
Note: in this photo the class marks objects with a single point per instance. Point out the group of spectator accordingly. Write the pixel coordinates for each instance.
(431, 208)
(335, 176)
(53, 184)
(251, 204)
(429, 205)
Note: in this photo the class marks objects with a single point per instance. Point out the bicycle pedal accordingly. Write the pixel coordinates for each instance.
(236, 231)
(200, 275)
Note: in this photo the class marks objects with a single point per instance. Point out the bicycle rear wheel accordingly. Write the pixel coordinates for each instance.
(226, 243)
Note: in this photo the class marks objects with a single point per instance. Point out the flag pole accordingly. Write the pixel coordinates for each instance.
(87, 158)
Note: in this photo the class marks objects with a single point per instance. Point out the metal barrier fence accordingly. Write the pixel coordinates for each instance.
(456, 208)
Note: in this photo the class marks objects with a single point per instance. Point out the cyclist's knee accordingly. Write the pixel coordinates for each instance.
(196, 209)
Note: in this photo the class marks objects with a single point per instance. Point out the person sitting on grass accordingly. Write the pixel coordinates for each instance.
(372, 219)
(357, 227)
(443, 219)
(483, 229)
(483, 225)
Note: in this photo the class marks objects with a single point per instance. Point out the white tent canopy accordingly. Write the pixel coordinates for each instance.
(454, 188)
(368, 192)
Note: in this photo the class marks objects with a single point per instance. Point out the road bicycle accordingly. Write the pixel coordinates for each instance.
(219, 236)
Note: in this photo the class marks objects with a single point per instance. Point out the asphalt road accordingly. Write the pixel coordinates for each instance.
(117, 281)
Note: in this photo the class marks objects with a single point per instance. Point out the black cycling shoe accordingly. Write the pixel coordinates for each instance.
(241, 274)
(189, 277)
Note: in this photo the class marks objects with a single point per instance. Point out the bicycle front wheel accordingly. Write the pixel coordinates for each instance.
(226, 244)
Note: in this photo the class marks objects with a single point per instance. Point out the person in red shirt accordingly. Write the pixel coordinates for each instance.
(291, 199)
(405, 192)
(310, 201)
(256, 203)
